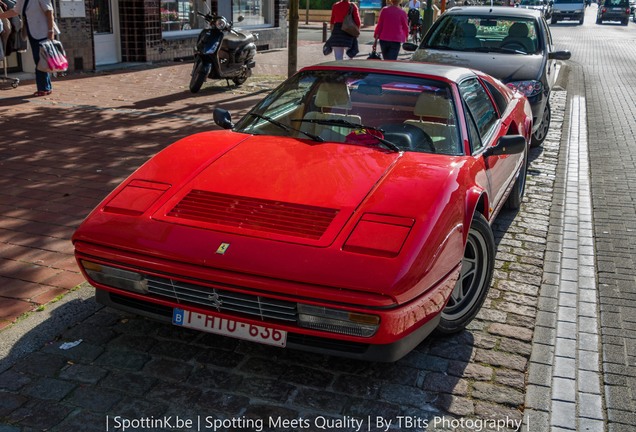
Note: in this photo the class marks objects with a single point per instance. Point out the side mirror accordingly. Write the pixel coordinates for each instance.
(509, 144)
(222, 118)
(409, 46)
(240, 18)
(560, 55)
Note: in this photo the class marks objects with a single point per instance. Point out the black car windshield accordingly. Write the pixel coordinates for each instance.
(514, 35)
(388, 111)
(531, 3)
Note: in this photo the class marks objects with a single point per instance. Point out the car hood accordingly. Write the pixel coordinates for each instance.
(505, 67)
(279, 188)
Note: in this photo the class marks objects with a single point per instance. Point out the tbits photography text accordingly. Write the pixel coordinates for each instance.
(332, 424)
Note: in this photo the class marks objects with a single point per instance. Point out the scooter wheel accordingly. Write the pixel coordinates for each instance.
(200, 72)
(239, 79)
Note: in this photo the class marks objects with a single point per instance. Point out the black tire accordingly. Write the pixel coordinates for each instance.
(625, 21)
(581, 21)
(539, 136)
(200, 72)
(553, 20)
(599, 21)
(474, 280)
(518, 190)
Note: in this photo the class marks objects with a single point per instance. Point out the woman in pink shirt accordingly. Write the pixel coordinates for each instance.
(392, 30)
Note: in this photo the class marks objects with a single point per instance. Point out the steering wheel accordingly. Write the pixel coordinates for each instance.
(514, 45)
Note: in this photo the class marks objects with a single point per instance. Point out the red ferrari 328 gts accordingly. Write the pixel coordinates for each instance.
(347, 213)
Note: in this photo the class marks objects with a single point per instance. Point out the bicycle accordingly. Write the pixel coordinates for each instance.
(415, 26)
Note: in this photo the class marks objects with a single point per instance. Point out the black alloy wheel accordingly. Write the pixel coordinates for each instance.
(539, 136)
(474, 280)
(516, 195)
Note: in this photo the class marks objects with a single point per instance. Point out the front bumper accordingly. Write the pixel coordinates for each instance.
(401, 326)
(317, 344)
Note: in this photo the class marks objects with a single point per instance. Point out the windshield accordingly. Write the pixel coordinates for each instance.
(399, 113)
(531, 3)
(485, 34)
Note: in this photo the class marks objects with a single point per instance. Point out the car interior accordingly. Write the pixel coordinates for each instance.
(412, 114)
(422, 121)
(461, 33)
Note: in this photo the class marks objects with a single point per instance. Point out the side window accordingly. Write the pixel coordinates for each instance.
(482, 111)
(500, 100)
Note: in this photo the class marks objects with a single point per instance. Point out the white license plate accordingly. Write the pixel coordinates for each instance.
(228, 327)
(617, 9)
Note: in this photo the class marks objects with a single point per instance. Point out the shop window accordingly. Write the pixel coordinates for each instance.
(181, 15)
(178, 15)
(255, 12)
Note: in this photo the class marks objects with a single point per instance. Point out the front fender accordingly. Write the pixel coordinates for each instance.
(476, 202)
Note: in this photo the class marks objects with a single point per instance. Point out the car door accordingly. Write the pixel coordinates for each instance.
(551, 63)
(485, 127)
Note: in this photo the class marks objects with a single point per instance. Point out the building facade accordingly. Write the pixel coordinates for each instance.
(101, 32)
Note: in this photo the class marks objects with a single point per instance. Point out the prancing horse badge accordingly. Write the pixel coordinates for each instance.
(222, 248)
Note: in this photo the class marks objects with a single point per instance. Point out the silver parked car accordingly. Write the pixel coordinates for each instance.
(511, 44)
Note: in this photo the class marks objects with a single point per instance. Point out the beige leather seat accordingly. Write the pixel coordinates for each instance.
(443, 131)
(330, 97)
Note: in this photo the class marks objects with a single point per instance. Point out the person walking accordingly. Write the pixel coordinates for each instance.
(392, 29)
(340, 41)
(40, 25)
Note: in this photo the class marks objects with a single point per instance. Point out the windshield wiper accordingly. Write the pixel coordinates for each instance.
(497, 49)
(348, 124)
(287, 128)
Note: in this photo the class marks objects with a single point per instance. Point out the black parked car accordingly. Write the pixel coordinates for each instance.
(613, 10)
(511, 44)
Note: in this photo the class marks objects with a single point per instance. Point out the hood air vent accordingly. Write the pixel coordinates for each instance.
(254, 214)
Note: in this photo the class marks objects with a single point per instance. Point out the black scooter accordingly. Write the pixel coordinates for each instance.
(222, 52)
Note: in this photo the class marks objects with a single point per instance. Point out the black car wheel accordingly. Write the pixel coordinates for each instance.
(553, 21)
(474, 279)
(516, 195)
(599, 21)
(539, 136)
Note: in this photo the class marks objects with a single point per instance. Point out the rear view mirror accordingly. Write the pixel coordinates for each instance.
(488, 23)
(409, 46)
(222, 118)
(560, 55)
(509, 144)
